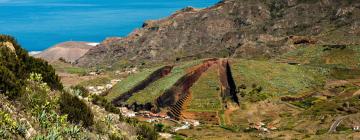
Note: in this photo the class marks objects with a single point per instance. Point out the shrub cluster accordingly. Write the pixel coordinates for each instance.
(80, 90)
(16, 66)
(76, 109)
(9, 85)
(146, 132)
(253, 95)
(101, 101)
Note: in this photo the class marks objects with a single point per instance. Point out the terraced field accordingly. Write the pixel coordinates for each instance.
(341, 55)
(206, 92)
(205, 103)
(278, 78)
(157, 88)
(129, 83)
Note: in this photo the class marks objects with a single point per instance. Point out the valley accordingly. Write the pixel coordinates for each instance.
(241, 69)
(241, 98)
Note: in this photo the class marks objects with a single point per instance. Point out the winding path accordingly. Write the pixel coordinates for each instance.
(338, 121)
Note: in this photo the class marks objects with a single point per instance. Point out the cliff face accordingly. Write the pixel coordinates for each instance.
(234, 28)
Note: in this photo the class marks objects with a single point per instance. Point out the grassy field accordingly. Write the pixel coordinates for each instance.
(206, 92)
(345, 56)
(68, 68)
(98, 81)
(128, 83)
(154, 90)
(278, 78)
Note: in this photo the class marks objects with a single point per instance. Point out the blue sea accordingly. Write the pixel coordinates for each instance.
(39, 24)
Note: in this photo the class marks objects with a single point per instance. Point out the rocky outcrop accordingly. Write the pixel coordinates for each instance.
(234, 28)
(8, 45)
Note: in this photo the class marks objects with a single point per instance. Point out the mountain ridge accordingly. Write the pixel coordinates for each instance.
(233, 28)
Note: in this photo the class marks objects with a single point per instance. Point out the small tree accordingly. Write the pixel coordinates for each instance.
(9, 85)
(146, 132)
(76, 109)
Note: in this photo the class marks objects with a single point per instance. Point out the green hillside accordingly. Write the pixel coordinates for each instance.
(154, 90)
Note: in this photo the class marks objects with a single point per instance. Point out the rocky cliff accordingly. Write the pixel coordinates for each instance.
(234, 28)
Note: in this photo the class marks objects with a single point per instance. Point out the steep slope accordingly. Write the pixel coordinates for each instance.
(16, 66)
(69, 51)
(237, 28)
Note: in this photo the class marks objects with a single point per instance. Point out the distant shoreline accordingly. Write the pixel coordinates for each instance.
(37, 30)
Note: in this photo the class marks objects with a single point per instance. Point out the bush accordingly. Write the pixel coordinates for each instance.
(9, 85)
(77, 110)
(101, 101)
(16, 66)
(37, 92)
(146, 132)
(159, 127)
(254, 95)
(115, 136)
(42, 67)
(81, 90)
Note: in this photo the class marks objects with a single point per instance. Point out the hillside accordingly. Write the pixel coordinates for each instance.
(241, 69)
(311, 92)
(34, 104)
(69, 51)
(233, 28)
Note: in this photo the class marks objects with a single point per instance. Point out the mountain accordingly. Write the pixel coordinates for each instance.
(233, 28)
(69, 51)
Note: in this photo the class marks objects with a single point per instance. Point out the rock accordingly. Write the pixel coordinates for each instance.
(100, 88)
(109, 86)
(92, 73)
(8, 45)
(30, 132)
(165, 135)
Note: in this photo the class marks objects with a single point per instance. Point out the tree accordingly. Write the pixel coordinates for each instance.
(76, 109)
(9, 85)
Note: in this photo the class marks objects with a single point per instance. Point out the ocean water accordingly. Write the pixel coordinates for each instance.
(39, 24)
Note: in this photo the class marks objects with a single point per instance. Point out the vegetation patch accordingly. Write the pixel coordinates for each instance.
(16, 66)
(129, 83)
(96, 82)
(277, 78)
(76, 109)
(155, 89)
(335, 106)
(341, 55)
(206, 92)
(68, 68)
(101, 101)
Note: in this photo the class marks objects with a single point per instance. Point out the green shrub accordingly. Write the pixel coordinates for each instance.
(16, 66)
(77, 110)
(146, 132)
(36, 92)
(306, 103)
(101, 101)
(81, 90)
(9, 85)
(159, 127)
(115, 136)
(42, 67)
(254, 95)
